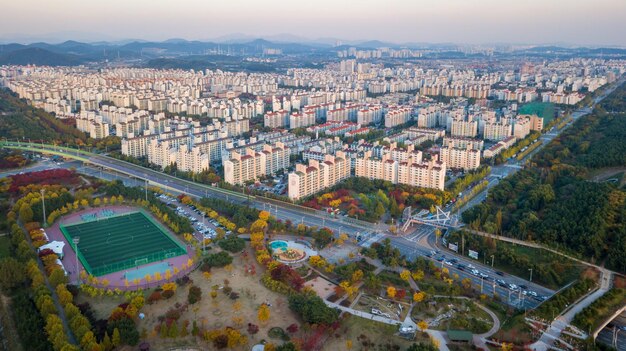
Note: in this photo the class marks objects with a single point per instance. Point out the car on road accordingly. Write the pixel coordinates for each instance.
(501, 282)
(440, 258)
(500, 273)
(449, 263)
(513, 287)
(475, 272)
(460, 267)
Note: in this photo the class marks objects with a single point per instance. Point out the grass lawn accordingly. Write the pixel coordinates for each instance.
(368, 335)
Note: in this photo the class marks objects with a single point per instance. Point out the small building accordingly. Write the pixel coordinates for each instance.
(55, 246)
(460, 336)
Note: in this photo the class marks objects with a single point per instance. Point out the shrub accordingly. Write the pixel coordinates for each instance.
(168, 293)
(195, 294)
(253, 328)
(232, 244)
(154, 297)
(220, 259)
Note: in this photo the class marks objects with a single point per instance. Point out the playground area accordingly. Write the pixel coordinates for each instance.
(291, 251)
(382, 307)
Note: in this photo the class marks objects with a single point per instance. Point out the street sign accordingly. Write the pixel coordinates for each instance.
(473, 254)
(453, 247)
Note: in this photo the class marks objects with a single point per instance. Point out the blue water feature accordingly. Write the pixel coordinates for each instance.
(140, 273)
(278, 244)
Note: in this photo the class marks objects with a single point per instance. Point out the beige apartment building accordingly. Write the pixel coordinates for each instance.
(463, 128)
(318, 175)
(412, 171)
(251, 165)
(466, 158)
(496, 130)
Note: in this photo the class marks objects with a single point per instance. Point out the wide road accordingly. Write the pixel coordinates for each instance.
(167, 182)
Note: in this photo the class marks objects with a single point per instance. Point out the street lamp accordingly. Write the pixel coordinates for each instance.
(75, 241)
(492, 258)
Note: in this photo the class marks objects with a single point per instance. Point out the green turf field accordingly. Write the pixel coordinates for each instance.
(541, 109)
(112, 244)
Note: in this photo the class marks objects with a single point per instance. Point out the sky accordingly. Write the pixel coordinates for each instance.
(578, 22)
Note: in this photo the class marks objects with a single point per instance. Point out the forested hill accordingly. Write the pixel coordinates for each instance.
(20, 120)
(560, 199)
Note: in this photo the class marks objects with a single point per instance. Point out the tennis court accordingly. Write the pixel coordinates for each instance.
(115, 243)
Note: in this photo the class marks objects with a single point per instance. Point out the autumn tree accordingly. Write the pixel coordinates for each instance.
(391, 291)
(419, 296)
(405, 275)
(264, 313)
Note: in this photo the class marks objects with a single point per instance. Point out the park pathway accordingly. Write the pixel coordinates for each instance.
(565, 318)
(60, 310)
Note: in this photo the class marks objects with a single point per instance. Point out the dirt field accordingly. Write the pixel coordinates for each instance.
(212, 314)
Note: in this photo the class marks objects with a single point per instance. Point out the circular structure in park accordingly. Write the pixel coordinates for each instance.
(290, 251)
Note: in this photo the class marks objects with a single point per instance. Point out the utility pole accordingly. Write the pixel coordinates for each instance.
(492, 258)
(481, 283)
(43, 205)
(531, 274)
(146, 187)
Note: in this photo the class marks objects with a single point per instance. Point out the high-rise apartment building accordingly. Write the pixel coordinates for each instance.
(251, 165)
(318, 175)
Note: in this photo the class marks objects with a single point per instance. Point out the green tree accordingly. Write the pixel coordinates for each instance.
(11, 273)
(26, 213)
(116, 340)
(380, 210)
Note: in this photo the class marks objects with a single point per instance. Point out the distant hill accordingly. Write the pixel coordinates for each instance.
(39, 56)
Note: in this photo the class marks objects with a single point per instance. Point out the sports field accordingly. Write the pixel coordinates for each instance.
(112, 244)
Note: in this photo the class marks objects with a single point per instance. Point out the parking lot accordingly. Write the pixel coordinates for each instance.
(205, 227)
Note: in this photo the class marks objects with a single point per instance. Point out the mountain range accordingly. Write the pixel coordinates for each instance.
(75, 52)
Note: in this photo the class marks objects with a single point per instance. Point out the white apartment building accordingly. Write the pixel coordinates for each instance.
(369, 115)
(278, 119)
(301, 120)
(398, 116)
(318, 175)
(461, 142)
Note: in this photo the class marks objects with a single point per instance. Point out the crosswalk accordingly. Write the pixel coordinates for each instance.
(373, 238)
(419, 233)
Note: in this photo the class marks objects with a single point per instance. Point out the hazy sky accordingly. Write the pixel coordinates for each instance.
(460, 21)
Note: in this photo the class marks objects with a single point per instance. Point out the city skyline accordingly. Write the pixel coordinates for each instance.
(399, 21)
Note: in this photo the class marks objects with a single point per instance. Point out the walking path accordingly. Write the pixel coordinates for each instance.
(60, 310)
(565, 318)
